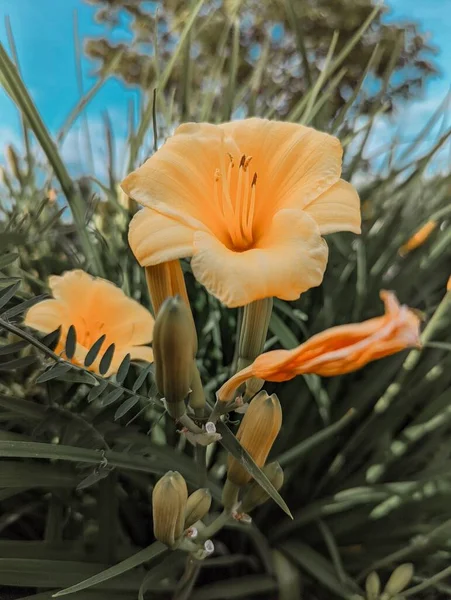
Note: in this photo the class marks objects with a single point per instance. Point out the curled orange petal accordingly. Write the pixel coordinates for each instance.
(418, 238)
(337, 350)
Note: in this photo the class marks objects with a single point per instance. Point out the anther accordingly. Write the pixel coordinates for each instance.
(254, 179)
(242, 161)
(247, 161)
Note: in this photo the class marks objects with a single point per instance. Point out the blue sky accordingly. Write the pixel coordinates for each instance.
(43, 30)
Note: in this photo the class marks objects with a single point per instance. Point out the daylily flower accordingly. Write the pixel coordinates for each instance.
(95, 307)
(418, 238)
(448, 285)
(248, 201)
(337, 350)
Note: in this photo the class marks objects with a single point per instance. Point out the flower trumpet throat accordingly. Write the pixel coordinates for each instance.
(337, 350)
(248, 201)
(169, 500)
(256, 433)
(175, 346)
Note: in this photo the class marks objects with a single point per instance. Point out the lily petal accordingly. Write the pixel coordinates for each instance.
(288, 260)
(156, 238)
(337, 209)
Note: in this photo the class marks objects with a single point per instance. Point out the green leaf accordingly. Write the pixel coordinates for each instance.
(54, 372)
(94, 351)
(141, 378)
(232, 445)
(106, 359)
(96, 391)
(18, 363)
(23, 306)
(301, 449)
(71, 342)
(8, 292)
(112, 397)
(31, 410)
(7, 259)
(51, 339)
(11, 348)
(93, 478)
(123, 369)
(125, 407)
(283, 332)
(241, 587)
(151, 552)
(34, 475)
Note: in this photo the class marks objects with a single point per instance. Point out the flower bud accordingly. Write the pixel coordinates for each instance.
(399, 579)
(197, 506)
(373, 586)
(174, 348)
(13, 161)
(256, 495)
(257, 432)
(164, 280)
(169, 499)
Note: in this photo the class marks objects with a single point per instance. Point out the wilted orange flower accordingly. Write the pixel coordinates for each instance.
(95, 307)
(337, 350)
(248, 201)
(418, 238)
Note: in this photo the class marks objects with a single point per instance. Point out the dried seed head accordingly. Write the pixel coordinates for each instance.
(257, 432)
(169, 499)
(256, 495)
(174, 346)
(13, 162)
(197, 506)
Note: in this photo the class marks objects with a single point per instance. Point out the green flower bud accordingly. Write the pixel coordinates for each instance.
(169, 498)
(373, 586)
(399, 579)
(256, 495)
(197, 506)
(174, 348)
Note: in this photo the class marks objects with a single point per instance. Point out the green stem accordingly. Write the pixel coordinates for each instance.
(215, 526)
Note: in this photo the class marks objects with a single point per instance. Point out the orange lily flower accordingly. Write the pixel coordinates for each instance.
(448, 285)
(248, 201)
(337, 350)
(95, 307)
(418, 238)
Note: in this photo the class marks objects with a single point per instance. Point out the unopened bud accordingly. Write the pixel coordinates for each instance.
(197, 396)
(174, 348)
(257, 432)
(197, 506)
(164, 280)
(373, 586)
(256, 495)
(13, 161)
(399, 579)
(169, 500)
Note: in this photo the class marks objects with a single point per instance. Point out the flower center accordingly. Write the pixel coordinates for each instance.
(234, 195)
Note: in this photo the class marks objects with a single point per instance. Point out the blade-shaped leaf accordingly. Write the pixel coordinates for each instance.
(149, 553)
(10, 348)
(106, 359)
(232, 445)
(96, 391)
(17, 363)
(125, 407)
(112, 397)
(71, 342)
(94, 351)
(8, 292)
(51, 339)
(123, 369)
(54, 372)
(23, 306)
(141, 377)
(7, 259)
(93, 478)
